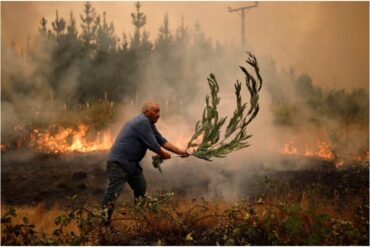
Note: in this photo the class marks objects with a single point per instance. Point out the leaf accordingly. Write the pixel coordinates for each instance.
(157, 161)
(159, 242)
(189, 237)
(58, 220)
(26, 220)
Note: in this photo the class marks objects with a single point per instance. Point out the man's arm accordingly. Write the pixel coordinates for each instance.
(167, 145)
(176, 150)
(146, 135)
(163, 154)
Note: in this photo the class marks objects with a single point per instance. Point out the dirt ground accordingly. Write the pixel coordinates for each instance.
(28, 178)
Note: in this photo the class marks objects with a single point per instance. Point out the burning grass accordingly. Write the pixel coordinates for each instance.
(89, 129)
(323, 150)
(83, 138)
(78, 129)
(320, 205)
(53, 139)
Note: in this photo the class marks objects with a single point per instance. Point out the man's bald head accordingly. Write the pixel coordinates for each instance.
(151, 109)
(148, 105)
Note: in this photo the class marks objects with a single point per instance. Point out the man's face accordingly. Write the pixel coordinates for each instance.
(153, 113)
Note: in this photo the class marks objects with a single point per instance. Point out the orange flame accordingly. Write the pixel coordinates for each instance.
(322, 150)
(69, 140)
(289, 148)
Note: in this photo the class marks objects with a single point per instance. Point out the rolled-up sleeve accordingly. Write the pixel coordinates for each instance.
(147, 136)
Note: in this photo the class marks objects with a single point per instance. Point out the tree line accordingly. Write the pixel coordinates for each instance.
(93, 63)
(104, 65)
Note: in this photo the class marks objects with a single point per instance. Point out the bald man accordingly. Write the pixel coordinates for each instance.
(129, 148)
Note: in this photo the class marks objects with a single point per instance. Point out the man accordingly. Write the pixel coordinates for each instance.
(129, 148)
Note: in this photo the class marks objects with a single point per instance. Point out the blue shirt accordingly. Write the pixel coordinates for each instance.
(133, 140)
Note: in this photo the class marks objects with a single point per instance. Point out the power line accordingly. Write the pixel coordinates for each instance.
(242, 12)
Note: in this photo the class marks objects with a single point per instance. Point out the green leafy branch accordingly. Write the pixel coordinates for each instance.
(208, 129)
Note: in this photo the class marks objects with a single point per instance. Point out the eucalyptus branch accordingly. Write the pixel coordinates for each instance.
(208, 129)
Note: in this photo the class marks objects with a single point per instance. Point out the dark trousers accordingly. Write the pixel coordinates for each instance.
(117, 177)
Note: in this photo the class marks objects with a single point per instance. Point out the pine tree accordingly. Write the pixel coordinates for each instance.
(43, 29)
(138, 20)
(199, 40)
(43, 23)
(72, 32)
(88, 25)
(182, 34)
(164, 55)
(146, 44)
(59, 26)
(124, 45)
(106, 39)
(72, 45)
(164, 40)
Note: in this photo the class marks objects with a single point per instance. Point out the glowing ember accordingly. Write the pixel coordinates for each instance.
(364, 157)
(339, 163)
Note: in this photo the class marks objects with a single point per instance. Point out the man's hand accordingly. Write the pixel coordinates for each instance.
(164, 155)
(183, 153)
(173, 148)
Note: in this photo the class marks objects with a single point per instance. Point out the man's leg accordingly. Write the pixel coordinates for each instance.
(138, 185)
(117, 177)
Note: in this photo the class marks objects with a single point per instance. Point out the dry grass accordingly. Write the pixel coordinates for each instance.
(44, 217)
(40, 215)
(281, 214)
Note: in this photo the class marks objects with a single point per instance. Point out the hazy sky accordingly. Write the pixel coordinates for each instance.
(328, 40)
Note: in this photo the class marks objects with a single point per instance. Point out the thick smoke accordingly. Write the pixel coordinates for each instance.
(287, 112)
(24, 89)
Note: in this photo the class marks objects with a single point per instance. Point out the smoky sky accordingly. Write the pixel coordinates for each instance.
(328, 40)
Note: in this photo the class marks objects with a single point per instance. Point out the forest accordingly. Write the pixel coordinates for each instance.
(66, 94)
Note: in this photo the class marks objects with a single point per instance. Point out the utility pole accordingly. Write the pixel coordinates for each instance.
(242, 13)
